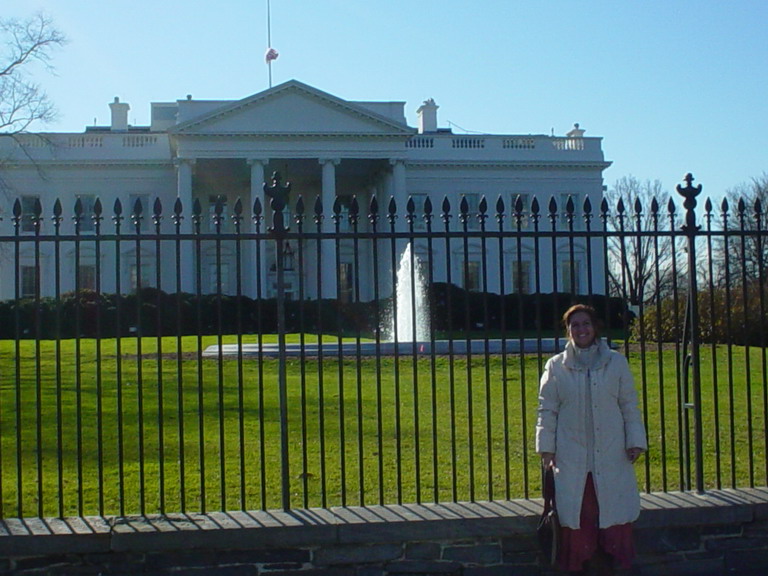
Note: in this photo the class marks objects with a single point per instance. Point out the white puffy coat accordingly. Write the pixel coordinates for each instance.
(618, 425)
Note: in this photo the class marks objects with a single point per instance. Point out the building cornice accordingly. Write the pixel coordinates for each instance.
(291, 136)
(504, 164)
(75, 164)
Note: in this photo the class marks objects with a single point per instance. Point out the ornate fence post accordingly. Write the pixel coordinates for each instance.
(689, 192)
(279, 195)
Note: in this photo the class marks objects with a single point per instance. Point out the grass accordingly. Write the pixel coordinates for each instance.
(144, 426)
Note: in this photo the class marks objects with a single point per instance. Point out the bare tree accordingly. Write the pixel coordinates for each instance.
(744, 213)
(26, 43)
(640, 261)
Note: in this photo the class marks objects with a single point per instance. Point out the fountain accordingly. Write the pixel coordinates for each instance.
(409, 317)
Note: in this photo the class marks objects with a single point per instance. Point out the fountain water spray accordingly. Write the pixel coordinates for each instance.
(412, 307)
(411, 302)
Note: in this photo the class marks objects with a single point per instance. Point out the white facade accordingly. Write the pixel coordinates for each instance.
(199, 150)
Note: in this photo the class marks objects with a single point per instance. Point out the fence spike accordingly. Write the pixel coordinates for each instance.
(446, 209)
(177, 210)
(535, 208)
(553, 211)
(500, 208)
(197, 211)
(354, 210)
(237, 216)
(392, 206)
(519, 206)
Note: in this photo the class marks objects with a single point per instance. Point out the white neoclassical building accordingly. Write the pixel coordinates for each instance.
(326, 147)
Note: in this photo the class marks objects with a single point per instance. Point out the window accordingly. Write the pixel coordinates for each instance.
(216, 274)
(521, 276)
(471, 273)
(86, 274)
(578, 210)
(525, 200)
(346, 282)
(473, 202)
(146, 211)
(28, 213)
(29, 282)
(418, 214)
(87, 202)
(570, 273)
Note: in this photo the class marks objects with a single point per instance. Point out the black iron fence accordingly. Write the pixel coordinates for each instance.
(213, 360)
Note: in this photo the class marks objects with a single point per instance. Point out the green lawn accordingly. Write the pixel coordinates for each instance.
(124, 430)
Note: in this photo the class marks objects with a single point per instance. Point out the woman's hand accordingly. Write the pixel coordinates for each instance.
(634, 453)
(547, 460)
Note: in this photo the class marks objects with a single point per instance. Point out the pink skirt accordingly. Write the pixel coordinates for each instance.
(579, 545)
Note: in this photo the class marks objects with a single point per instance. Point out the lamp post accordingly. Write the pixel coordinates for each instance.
(689, 192)
(279, 195)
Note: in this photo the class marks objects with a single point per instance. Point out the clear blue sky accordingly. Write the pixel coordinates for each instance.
(673, 86)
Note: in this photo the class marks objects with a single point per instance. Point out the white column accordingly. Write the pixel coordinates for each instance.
(256, 192)
(184, 167)
(399, 192)
(328, 252)
(257, 187)
(386, 193)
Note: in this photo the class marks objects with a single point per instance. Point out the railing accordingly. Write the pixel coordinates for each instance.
(41, 143)
(221, 393)
(509, 146)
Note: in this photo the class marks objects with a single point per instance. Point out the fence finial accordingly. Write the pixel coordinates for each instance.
(279, 195)
(689, 192)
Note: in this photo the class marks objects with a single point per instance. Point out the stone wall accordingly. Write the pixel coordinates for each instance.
(720, 532)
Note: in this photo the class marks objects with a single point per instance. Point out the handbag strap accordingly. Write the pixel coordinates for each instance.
(549, 490)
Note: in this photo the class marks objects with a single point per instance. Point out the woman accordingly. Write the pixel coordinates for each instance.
(590, 431)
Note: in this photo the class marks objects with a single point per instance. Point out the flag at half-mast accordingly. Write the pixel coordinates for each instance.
(270, 55)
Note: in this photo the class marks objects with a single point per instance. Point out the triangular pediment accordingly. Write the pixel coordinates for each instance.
(292, 108)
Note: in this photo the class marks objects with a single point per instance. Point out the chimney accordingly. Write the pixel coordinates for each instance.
(119, 115)
(427, 116)
(576, 132)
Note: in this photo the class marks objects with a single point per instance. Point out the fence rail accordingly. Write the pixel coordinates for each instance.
(154, 370)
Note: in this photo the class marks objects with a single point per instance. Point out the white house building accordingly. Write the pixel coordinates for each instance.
(201, 150)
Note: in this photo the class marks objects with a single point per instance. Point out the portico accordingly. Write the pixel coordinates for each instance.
(212, 154)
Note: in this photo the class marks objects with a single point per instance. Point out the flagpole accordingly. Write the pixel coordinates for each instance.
(269, 41)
